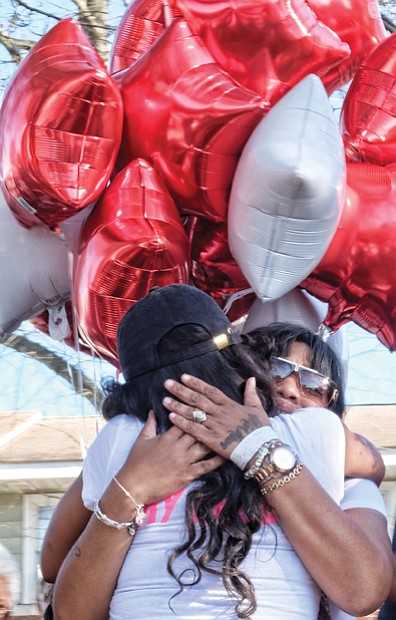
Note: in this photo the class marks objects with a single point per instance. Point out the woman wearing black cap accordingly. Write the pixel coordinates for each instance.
(232, 559)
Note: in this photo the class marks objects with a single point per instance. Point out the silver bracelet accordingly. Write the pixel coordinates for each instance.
(130, 525)
(140, 516)
(281, 483)
(261, 454)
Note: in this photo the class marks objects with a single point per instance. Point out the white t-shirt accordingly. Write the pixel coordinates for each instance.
(284, 589)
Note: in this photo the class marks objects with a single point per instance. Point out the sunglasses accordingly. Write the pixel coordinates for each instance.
(311, 381)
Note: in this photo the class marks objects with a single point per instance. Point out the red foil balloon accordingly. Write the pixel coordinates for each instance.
(358, 23)
(368, 116)
(133, 240)
(60, 123)
(357, 275)
(189, 118)
(143, 22)
(214, 270)
(266, 45)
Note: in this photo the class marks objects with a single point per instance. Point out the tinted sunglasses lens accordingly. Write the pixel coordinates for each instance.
(315, 384)
(280, 369)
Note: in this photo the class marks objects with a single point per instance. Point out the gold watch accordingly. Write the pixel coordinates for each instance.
(279, 461)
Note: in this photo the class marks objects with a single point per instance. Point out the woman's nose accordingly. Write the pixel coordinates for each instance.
(289, 388)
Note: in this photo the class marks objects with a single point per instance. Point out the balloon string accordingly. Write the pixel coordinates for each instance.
(235, 297)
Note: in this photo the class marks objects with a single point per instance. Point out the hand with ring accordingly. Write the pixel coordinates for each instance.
(199, 416)
(210, 416)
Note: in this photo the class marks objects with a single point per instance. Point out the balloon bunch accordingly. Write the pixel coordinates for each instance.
(208, 152)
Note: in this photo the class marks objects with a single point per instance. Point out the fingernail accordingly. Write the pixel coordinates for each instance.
(185, 377)
(169, 383)
(167, 400)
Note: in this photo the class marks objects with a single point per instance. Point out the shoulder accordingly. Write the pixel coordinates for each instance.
(316, 419)
(120, 430)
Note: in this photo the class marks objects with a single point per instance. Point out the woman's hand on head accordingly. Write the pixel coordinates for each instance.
(159, 465)
(227, 422)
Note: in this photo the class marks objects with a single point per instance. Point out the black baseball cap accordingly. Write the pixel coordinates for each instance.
(151, 317)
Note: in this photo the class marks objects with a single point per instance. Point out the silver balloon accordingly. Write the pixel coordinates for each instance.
(34, 271)
(288, 191)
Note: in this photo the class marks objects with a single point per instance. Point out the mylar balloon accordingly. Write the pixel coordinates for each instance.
(58, 323)
(288, 191)
(188, 118)
(368, 116)
(358, 23)
(300, 308)
(214, 270)
(34, 271)
(132, 240)
(266, 45)
(60, 124)
(357, 274)
(142, 23)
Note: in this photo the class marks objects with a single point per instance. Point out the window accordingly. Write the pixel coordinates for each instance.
(37, 512)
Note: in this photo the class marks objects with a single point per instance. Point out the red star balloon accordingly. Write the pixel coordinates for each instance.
(60, 126)
(188, 118)
(143, 22)
(266, 45)
(358, 23)
(357, 274)
(368, 116)
(132, 240)
(214, 270)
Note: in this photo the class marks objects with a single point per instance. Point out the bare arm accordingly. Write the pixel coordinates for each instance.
(362, 459)
(67, 523)
(156, 467)
(353, 568)
(392, 593)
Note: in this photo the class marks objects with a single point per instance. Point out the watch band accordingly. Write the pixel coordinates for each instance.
(268, 469)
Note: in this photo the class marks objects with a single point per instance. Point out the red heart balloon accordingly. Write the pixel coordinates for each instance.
(141, 25)
(214, 270)
(60, 123)
(132, 240)
(267, 45)
(358, 23)
(368, 116)
(188, 118)
(357, 274)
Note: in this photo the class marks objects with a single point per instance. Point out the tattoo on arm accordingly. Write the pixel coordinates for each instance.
(243, 429)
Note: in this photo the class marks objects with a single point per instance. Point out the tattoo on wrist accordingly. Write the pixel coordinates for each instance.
(243, 429)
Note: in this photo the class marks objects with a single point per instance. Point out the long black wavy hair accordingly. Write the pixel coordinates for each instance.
(223, 537)
(277, 339)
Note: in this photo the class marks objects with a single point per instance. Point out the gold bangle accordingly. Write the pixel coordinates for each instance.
(281, 483)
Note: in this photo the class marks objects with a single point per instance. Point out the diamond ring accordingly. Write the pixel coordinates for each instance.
(199, 416)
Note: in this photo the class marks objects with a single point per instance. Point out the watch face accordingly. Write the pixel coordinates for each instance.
(283, 459)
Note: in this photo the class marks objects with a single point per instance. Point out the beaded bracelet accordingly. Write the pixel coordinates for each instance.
(130, 525)
(281, 483)
(140, 514)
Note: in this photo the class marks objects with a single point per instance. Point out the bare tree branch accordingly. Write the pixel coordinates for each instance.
(15, 46)
(37, 10)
